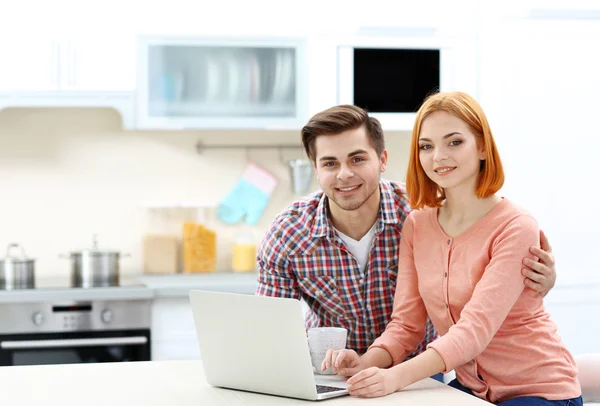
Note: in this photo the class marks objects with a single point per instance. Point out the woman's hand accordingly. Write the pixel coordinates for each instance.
(343, 362)
(374, 382)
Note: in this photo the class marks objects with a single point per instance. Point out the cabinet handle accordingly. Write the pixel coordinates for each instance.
(75, 64)
(72, 63)
(54, 64)
(75, 342)
(59, 64)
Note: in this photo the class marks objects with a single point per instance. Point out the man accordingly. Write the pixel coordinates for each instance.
(337, 249)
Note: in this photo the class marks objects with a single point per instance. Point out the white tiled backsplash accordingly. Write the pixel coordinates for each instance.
(66, 174)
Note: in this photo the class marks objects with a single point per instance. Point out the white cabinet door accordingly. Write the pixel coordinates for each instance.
(87, 63)
(29, 64)
(173, 330)
(101, 62)
(402, 18)
(221, 83)
(60, 72)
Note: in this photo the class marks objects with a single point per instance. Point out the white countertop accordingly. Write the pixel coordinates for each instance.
(137, 287)
(174, 383)
(142, 286)
(179, 285)
(55, 289)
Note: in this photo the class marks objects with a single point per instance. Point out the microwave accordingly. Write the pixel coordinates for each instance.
(391, 77)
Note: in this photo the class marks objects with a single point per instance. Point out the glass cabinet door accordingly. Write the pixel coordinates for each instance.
(217, 84)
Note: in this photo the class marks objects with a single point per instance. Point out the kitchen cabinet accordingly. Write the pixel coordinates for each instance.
(29, 64)
(197, 83)
(98, 63)
(385, 18)
(173, 330)
(90, 71)
(401, 26)
(86, 63)
(122, 102)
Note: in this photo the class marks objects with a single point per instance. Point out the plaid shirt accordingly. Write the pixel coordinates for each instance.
(302, 257)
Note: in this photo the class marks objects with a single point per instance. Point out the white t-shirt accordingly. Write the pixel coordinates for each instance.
(360, 249)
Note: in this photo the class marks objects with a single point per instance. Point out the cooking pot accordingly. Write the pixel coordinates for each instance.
(94, 267)
(16, 270)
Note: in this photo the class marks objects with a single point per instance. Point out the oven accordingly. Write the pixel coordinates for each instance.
(74, 332)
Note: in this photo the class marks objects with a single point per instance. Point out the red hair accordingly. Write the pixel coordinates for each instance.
(422, 191)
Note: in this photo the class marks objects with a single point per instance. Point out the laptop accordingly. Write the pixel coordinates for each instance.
(258, 344)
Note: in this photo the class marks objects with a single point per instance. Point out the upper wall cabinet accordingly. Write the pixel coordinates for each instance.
(29, 64)
(87, 63)
(98, 63)
(231, 83)
(456, 18)
(62, 72)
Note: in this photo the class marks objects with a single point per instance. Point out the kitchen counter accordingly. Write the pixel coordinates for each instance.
(179, 285)
(52, 290)
(134, 287)
(174, 383)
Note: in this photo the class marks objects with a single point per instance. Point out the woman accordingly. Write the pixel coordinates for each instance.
(460, 261)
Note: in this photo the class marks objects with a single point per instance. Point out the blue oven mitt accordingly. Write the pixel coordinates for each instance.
(249, 197)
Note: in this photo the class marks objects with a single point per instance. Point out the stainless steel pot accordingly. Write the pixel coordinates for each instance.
(17, 271)
(94, 267)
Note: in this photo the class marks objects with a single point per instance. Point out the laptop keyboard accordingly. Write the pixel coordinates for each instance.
(326, 389)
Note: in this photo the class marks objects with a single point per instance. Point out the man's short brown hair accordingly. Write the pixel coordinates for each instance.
(336, 120)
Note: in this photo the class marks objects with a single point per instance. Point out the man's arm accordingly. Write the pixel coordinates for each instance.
(275, 274)
(540, 275)
(406, 328)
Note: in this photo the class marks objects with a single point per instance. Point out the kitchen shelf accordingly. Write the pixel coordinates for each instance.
(212, 109)
(200, 147)
(174, 204)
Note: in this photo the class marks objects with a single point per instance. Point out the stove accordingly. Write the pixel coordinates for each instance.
(62, 282)
(54, 322)
(61, 288)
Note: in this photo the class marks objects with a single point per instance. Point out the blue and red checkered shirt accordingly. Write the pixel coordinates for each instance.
(302, 257)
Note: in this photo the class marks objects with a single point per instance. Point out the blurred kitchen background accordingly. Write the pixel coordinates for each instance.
(124, 125)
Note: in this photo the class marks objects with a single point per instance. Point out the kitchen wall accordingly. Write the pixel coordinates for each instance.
(66, 174)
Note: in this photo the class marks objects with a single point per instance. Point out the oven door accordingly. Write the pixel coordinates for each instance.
(75, 348)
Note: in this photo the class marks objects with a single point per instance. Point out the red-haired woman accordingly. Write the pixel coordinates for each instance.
(460, 262)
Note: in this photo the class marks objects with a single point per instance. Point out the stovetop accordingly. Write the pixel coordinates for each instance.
(58, 289)
(66, 283)
(61, 282)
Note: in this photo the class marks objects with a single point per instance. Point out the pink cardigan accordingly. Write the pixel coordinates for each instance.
(495, 333)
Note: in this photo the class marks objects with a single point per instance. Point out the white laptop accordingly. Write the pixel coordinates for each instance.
(258, 344)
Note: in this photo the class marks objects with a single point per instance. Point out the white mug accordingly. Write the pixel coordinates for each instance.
(321, 339)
